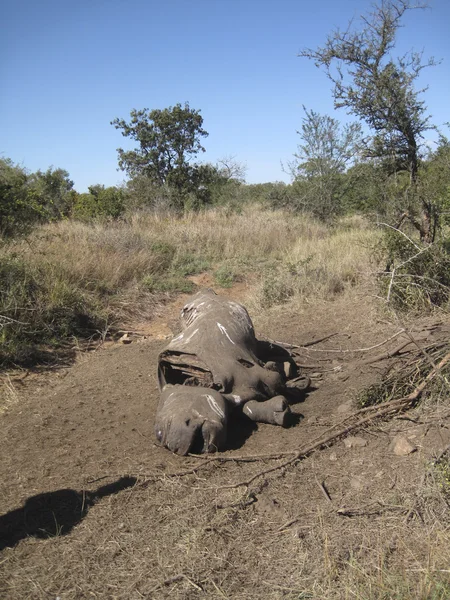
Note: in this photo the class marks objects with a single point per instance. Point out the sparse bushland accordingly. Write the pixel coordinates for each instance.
(75, 279)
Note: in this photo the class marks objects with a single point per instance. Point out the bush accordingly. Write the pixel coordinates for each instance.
(225, 276)
(19, 206)
(416, 276)
(167, 283)
(100, 202)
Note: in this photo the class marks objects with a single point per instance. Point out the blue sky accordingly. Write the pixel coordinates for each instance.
(68, 68)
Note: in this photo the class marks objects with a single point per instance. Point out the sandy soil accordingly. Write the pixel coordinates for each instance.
(89, 508)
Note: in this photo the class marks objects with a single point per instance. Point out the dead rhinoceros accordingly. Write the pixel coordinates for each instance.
(213, 366)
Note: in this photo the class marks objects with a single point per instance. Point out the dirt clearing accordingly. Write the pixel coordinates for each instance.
(91, 508)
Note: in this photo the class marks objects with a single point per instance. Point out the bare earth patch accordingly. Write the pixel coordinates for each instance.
(125, 518)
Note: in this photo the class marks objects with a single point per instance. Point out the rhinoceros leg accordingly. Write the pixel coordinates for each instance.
(275, 411)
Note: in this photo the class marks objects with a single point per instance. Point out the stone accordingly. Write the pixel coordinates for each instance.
(333, 457)
(345, 407)
(125, 339)
(355, 442)
(401, 446)
(357, 483)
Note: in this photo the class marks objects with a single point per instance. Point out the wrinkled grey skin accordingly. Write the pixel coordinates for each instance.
(214, 364)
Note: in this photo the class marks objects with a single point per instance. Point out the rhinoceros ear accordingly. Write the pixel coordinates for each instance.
(214, 436)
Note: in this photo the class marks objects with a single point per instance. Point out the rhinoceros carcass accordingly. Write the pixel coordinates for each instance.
(213, 366)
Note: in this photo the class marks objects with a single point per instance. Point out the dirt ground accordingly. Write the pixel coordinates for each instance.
(90, 506)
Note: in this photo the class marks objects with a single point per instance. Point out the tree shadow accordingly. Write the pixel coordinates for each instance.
(53, 513)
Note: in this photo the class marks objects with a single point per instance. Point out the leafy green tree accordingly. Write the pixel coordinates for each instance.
(434, 181)
(99, 202)
(54, 191)
(365, 189)
(167, 140)
(380, 90)
(325, 151)
(19, 205)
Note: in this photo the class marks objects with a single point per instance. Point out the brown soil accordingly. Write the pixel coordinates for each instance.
(354, 522)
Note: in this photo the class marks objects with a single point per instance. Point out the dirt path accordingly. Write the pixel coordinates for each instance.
(86, 426)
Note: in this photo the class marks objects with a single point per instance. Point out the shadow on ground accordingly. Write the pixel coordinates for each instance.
(53, 513)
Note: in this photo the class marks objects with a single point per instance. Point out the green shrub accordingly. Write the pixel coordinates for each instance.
(277, 288)
(189, 264)
(417, 276)
(168, 284)
(19, 205)
(225, 276)
(99, 202)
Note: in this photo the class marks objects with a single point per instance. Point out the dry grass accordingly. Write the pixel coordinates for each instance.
(8, 394)
(175, 539)
(78, 279)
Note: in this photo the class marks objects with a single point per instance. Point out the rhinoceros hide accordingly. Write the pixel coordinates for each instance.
(214, 366)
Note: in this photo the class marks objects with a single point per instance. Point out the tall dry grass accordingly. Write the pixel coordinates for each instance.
(72, 278)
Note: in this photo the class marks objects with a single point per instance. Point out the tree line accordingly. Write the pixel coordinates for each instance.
(378, 164)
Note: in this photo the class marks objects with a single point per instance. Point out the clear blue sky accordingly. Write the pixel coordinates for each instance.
(67, 68)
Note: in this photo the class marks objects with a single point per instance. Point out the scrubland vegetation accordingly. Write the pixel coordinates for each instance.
(363, 215)
(75, 279)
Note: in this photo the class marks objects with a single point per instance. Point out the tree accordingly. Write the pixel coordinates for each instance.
(325, 151)
(99, 202)
(168, 140)
(19, 205)
(380, 90)
(54, 191)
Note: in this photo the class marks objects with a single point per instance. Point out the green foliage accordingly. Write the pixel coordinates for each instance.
(434, 182)
(277, 288)
(365, 189)
(417, 277)
(167, 283)
(26, 199)
(100, 202)
(400, 382)
(54, 191)
(19, 205)
(322, 157)
(168, 139)
(226, 275)
(189, 264)
(379, 90)
(170, 276)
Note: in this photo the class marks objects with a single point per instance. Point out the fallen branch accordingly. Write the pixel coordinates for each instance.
(385, 355)
(359, 349)
(307, 344)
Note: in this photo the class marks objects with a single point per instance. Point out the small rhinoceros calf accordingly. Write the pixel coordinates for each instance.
(215, 365)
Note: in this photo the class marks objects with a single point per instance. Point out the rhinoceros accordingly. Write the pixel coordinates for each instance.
(215, 367)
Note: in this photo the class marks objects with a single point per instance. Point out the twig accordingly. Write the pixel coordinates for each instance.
(361, 349)
(325, 491)
(293, 522)
(367, 511)
(327, 337)
(402, 233)
(312, 343)
(385, 355)
(296, 456)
